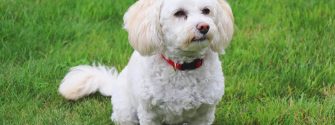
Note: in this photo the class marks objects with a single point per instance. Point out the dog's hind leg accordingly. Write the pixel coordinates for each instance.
(124, 102)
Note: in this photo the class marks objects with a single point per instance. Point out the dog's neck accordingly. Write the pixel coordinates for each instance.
(179, 56)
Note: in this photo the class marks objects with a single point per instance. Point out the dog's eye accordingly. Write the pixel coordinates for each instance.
(180, 13)
(205, 11)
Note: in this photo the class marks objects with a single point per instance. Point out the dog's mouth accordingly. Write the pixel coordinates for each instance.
(200, 39)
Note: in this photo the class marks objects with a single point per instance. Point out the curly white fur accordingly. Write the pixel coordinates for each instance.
(149, 91)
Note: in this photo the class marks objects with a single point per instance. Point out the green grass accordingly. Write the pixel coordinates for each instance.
(279, 69)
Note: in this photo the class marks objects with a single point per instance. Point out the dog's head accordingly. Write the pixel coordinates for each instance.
(182, 25)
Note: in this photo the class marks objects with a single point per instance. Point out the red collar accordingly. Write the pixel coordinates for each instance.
(185, 66)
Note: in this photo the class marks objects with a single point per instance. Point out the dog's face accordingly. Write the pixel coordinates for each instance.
(187, 26)
(179, 25)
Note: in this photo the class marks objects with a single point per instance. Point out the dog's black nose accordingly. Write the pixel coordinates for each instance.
(203, 28)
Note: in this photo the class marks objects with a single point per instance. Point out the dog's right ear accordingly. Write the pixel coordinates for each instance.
(142, 23)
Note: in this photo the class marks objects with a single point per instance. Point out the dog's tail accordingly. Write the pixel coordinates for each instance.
(83, 80)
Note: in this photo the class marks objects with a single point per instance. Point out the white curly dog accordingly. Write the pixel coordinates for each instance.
(174, 76)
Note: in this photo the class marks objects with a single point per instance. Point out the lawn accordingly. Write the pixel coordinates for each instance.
(279, 68)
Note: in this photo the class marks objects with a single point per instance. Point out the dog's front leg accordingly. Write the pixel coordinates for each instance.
(206, 115)
(148, 117)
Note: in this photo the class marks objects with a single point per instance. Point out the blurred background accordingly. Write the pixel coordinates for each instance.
(279, 68)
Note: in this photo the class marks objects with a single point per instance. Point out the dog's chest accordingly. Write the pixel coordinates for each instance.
(179, 95)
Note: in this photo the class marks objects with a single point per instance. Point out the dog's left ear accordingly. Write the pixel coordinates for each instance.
(142, 23)
(224, 20)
